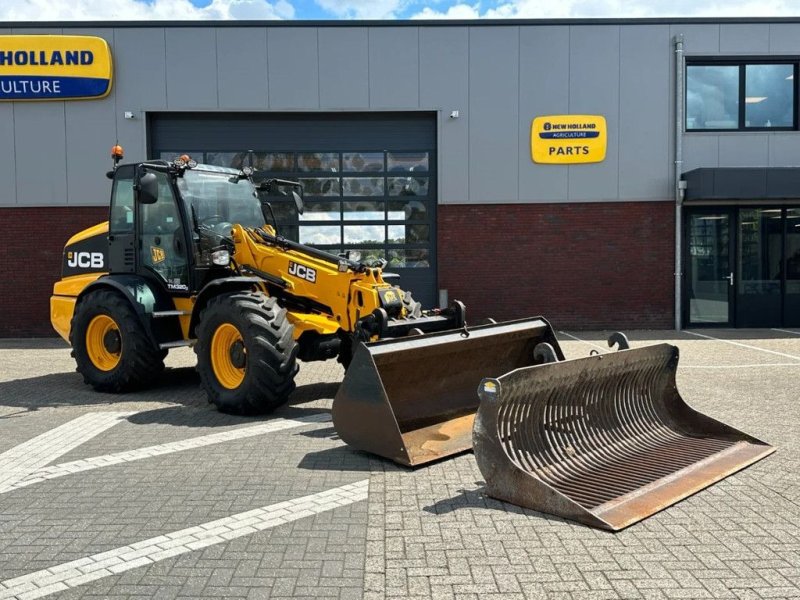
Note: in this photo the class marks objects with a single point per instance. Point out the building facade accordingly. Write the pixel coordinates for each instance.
(413, 142)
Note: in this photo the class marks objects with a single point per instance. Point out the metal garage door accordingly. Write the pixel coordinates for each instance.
(369, 179)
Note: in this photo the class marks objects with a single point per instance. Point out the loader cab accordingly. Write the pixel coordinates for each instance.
(173, 225)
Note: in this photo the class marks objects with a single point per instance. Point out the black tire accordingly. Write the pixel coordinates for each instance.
(139, 362)
(267, 353)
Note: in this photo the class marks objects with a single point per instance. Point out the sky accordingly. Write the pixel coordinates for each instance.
(109, 10)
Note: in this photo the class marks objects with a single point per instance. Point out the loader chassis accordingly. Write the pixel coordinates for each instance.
(190, 256)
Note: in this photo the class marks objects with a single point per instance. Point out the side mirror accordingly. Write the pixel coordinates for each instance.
(147, 189)
(298, 202)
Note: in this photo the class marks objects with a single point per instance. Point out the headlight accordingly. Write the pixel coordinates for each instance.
(354, 255)
(221, 258)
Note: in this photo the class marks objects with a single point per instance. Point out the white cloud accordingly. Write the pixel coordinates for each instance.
(550, 9)
(363, 9)
(144, 10)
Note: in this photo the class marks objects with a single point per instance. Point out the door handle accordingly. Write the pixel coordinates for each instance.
(729, 278)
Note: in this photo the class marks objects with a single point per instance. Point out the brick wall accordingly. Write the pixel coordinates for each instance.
(30, 263)
(598, 265)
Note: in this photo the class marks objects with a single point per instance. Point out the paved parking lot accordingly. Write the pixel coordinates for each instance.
(157, 495)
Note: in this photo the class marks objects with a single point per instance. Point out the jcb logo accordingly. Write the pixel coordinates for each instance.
(85, 260)
(303, 272)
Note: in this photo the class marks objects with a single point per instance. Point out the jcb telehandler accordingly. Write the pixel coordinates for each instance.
(191, 256)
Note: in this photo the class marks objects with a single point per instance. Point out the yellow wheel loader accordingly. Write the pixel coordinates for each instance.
(190, 256)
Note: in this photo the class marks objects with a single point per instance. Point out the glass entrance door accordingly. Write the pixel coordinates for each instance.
(759, 252)
(709, 268)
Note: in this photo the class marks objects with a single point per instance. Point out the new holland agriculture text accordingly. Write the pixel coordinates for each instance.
(54, 67)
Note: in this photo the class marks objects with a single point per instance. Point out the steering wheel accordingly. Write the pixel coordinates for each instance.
(212, 220)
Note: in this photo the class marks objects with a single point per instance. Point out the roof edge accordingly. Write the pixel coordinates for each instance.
(400, 23)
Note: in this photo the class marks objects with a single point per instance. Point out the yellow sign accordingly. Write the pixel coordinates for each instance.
(565, 139)
(157, 254)
(54, 67)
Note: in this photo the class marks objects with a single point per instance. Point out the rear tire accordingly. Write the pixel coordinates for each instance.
(110, 345)
(246, 354)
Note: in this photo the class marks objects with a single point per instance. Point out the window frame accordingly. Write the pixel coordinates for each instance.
(742, 63)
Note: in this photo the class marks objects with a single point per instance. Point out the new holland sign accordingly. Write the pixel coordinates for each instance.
(54, 67)
(565, 139)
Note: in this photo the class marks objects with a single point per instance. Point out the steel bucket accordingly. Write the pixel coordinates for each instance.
(413, 400)
(605, 440)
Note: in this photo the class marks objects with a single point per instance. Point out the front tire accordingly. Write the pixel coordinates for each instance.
(246, 354)
(110, 345)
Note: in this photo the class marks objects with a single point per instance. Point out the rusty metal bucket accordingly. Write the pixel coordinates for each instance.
(413, 399)
(605, 440)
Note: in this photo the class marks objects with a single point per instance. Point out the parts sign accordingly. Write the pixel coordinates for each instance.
(54, 67)
(566, 139)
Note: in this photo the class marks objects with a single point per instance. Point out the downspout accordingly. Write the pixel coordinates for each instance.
(679, 185)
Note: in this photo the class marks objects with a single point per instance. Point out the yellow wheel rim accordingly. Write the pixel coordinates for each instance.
(224, 344)
(99, 333)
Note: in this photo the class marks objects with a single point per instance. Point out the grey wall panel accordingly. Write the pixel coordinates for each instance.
(91, 130)
(784, 150)
(744, 150)
(90, 133)
(394, 67)
(594, 90)
(343, 67)
(293, 68)
(192, 82)
(140, 75)
(700, 150)
(39, 125)
(447, 51)
(494, 114)
(645, 128)
(750, 38)
(8, 183)
(543, 90)
(698, 39)
(784, 38)
(242, 67)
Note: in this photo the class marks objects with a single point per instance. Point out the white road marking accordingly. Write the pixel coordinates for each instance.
(577, 339)
(740, 366)
(786, 331)
(96, 462)
(77, 572)
(741, 345)
(20, 461)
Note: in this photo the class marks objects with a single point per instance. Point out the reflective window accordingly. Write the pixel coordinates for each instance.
(408, 234)
(364, 210)
(321, 186)
(409, 258)
(318, 161)
(769, 96)
(362, 186)
(321, 211)
(361, 162)
(760, 241)
(712, 97)
(740, 95)
(273, 161)
(234, 160)
(368, 254)
(406, 161)
(793, 251)
(364, 234)
(408, 186)
(320, 234)
(407, 210)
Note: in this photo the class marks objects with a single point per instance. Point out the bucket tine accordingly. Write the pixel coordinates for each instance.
(413, 400)
(605, 440)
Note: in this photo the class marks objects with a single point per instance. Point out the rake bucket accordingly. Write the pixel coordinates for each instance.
(413, 400)
(605, 440)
